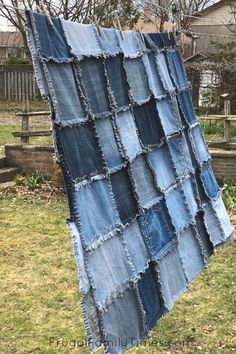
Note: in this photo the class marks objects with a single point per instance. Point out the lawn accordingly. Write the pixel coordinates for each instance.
(40, 300)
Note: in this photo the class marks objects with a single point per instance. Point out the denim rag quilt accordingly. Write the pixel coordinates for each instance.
(146, 211)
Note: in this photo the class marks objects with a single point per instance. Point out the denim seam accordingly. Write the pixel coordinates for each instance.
(170, 92)
(218, 224)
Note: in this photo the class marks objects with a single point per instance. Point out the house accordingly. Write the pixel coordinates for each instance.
(11, 45)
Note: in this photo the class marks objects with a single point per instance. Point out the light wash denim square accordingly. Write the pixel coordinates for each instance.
(209, 182)
(154, 79)
(203, 234)
(77, 35)
(199, 145)
(108, 143)
(81, 151)
(50, 40)
(190, 190)
(180, 154)
(177, 70)
(221, 212)
(177, 208)
(95, 84)
(150, 294)
(128, 134)
(136, 247)
(186, 106)
(97, 214)
(169, 115)
(149, 124)
(124, 195)
(130, 44)
(137, 79)
(190, 253)
(157, 229)
(123, 331)
(213, 225)
(117, 80)
(108, 41)
(109, 269)
(163, 168)
(144, 182)
(172, 277)
(68, 108)
(164, 72)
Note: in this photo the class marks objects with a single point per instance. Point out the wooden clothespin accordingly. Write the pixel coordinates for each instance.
(120, 28)
(141, 33)
(46, 13)
(97, 20)
(38, 9)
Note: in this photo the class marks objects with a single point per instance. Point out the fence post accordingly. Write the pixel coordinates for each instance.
(227, 123)
(25, 122)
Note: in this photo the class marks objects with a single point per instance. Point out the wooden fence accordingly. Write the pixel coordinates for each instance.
(17, 82)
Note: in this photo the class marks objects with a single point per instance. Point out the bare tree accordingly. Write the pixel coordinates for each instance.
(164, 10)
(75, 10)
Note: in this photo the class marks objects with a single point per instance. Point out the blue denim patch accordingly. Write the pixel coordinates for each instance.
(180, 154)
(172, 277)
(130, 44)
(213, 224)
(203, 234)
(109, 269)
(169, 115)
(177, 69)
(68, 108)
(137, 79)
(161, 39)
(128, 134)
(144, 182)
(157, 229)
(186, 106)
(209, 182)
(50, 40)
(154, 79)
(124, 196)
(97, 214)
(190, 190)
(136, 246)
(150, 294)
(108, 142)
(223, 217)
(108, 41)
(122, 331)
(164, 72)
(190, 253)
(177, 208)
(148, 122)
(165, 175)
(81, 150)
(199, 145)
(77, 35)
(117, 80)
(94, 81)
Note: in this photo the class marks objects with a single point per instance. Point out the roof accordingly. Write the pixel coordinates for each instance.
(11, 39)
(211, 7)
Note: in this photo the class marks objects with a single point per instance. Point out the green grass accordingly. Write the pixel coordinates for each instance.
(40, 299)
(216, 131)
(17, 106)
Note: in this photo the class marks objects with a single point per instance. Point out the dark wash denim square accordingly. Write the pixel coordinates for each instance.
(162, 40)
(50, 42)
(124, 196)
(157, 228)
(150, 294)
(94, 80)
(81, 150)
(209, 182)
(117, 79)
(203, 234)
(148, 122)
(96, 210)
